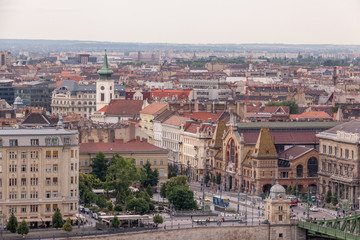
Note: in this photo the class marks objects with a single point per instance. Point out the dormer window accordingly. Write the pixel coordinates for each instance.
(67, 140)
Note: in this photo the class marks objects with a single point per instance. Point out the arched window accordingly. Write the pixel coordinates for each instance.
(299, 171)
(232, 151)
(312, 167)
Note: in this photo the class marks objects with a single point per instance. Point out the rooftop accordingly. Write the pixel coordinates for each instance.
(115, 147)
(35, 131)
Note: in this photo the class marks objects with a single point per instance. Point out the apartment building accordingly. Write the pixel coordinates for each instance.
(171, 131)
(339, 161)
(38, 174)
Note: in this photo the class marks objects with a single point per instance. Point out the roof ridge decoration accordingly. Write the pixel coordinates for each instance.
(265, 147)
(105, 72)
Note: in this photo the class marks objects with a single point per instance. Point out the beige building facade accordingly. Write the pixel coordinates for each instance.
(140, 151)
(38, 174)
(339, 161)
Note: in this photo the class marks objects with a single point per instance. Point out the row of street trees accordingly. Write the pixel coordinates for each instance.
(23, 228)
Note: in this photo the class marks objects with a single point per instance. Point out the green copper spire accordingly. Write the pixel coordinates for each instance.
(105, 72)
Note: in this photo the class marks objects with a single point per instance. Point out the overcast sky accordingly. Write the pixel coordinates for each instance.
(183, 21)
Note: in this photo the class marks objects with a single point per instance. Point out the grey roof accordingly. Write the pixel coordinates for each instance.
(73, 87)
(350, 127)
(35, 131)
(288, 125)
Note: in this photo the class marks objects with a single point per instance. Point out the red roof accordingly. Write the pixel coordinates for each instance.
(169, 93)
(294, 152)
(124, 107)
(117, 147)
(103, 109)
(204, 116)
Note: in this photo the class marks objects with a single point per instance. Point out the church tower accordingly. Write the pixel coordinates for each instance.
(104, 86)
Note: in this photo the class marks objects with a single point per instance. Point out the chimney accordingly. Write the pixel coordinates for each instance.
(138, 138)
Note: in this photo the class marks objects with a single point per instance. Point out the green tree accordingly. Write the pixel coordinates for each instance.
(177, 181)
(163, 190)
(328, 196)
(86, 184)
(207, 178)
(121, 174)
(12, 224)
(57, 220)
(149, 176)
(101, 202)
(149, 191)
(182, 198)
(218, 179)
(23, 228)
(158, 219)
(67, 226)
(172, 171)
(110, 205)
(143, 195)
(140, 205)
(334, 199)
(99, 166)
(115, 223)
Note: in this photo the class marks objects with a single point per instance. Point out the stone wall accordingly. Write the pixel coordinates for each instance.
(266, 232)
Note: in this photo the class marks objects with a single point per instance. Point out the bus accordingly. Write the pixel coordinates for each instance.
(223, 201)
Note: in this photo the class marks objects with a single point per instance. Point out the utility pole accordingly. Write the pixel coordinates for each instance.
(238, 204)
(188, 171)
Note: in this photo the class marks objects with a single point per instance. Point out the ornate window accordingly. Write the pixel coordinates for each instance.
(232, 151)
(299, 171)
(312, 167)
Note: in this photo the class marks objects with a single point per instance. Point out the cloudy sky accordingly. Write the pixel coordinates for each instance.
(183, 21)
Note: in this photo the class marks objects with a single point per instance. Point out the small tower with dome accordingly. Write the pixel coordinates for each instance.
(277, 206)
(18, 103)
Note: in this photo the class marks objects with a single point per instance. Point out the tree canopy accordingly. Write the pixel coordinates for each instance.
(57, 220)
(23, 228)
(12, 223)
(67, 226)
(121, 174)
(149, 176)
(99, 166)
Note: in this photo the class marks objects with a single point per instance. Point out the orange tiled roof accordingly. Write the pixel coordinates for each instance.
(176, 120)
(204, 116)
(155, 108)
(311, 114)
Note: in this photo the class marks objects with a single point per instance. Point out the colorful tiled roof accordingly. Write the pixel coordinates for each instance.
(265, 147)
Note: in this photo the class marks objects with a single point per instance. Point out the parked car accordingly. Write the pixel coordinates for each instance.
(95, 216)
(87, 210)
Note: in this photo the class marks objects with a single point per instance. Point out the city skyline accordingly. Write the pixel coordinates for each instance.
(200, 22)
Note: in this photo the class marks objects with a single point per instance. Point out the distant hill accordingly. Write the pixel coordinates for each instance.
(45, 46)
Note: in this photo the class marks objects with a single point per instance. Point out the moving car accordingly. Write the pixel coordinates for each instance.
(314, 209)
